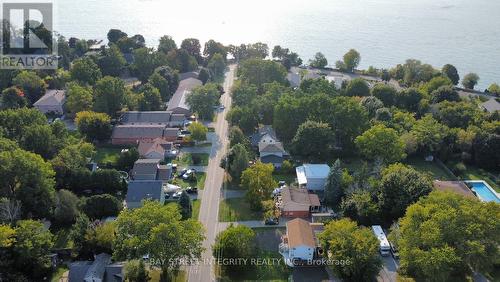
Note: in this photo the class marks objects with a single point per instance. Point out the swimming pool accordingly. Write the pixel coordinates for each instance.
(483, 191)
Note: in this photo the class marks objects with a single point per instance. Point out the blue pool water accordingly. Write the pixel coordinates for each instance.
(483, 192)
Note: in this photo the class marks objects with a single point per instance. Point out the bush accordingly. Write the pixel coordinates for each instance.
(459, 168)
(287, 167)
(196, 159)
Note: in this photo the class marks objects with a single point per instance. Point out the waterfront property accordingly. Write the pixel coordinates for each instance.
(52, 102)
(483, 191)
(312, 176)
(297, 202)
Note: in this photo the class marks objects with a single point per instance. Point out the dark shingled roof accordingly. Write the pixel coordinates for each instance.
(139, 190)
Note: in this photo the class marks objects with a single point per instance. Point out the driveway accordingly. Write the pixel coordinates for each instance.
(389, 270)
(209, 207)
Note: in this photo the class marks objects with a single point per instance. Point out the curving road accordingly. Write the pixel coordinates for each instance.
(209, 207)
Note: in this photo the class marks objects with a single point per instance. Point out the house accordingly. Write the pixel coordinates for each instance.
(157, 149)
(457, 187)
(186, 75)
(134, 133)
(337, 80)
(265, 134)
(150, 169)
(298, 202)
(272, 153)
(299, 244)
(51, 102)
(313, 176)
(166, 118)
(491, 106)
(101, 269)
(293, 78)
(140, 190)
(177, 103)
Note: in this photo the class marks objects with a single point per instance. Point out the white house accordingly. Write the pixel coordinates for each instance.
(299, 244)
(312, 176)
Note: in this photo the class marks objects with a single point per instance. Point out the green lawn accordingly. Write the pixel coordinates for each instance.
(155, 275)
(196, 209)
(430, 168)
(237, 209)
(186, 159)
(105, 155)
(200, 181)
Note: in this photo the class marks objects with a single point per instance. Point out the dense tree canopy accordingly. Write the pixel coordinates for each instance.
(78, 98)
(109, 95)
(470, 80)
(258, 72)
(381, 142)
(357, 87)
(444, 236)
(313, 141)
(319, 61)
(351, 60)
(259, 183)
(31, 85)
(167, 44)
(203, 99)
(451, 72)
(386, 93)
(96, 126)
(236, 242)
(85, 71)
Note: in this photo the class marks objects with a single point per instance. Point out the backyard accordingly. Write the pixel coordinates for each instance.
(107, 156)
(187, 159)
(237, 209)
(200, 181)
(431, 168)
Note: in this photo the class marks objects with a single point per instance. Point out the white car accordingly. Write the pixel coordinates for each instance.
(177, 195)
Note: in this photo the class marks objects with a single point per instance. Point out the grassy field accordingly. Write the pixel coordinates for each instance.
(200, 181)
(196, 209)
(105, 155)
(473, 173)
(186, 159)
(237, 210)
(155, 274)
(430, 168)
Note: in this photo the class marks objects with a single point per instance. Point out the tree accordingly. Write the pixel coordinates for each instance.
(333, 187)
(470, 80)
(149, 99)
(386, 93)
(351, 60)
(486, 150)
(66, 209)
(203, 99)
(381, 142)
(433, 248)
(14, 121)
(198, 131)
(85, 71)
(127, 159)
(13, 98)
(361, 206)
(193, 47)
(458, 114)
(78, 99)
(494, 89)
(451, 72)
(259, 72)
(445, 93)
(115, 34)
(10, 210)
(238, 161)
(313, 141)
(357, 87)
(146, 61)
(78, 232)
(259, 183)
(99, 238)
(32, 248)
(160, 83)
(245, 118)
(181, 60)
(204, 75)
(236, 242)
(401, 186)
(96, 126)
(236, 136)
(135, 271)
(217, 65)
(409, 99)
(109, 95)
(69, 165)
(349, 120)
(29, 179)
(172, 78)
(166, 44)
(212, 47)
(319, 61)
(32, 86)
(108, 181)
(343, 240)
(101, 206)
(371, 104)
(185, 205)
(157, 230)
(112, 62)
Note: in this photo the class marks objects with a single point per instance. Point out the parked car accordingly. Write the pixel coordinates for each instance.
(281, 183)
(192, 190)
(185, 132)
(177, 195)
(188, 174)
(271, 221)
(182, 172)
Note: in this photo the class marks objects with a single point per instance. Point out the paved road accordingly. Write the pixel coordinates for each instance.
(209, 208)
(388, 273)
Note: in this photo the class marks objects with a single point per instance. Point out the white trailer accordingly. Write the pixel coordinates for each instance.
(385, 247)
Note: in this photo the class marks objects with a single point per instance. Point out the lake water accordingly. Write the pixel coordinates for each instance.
(465, 33)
